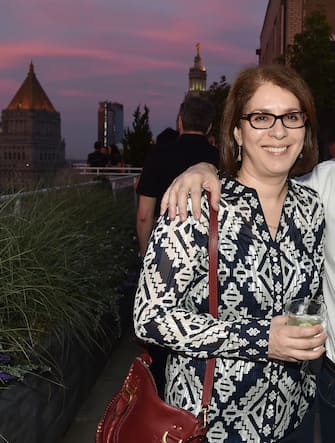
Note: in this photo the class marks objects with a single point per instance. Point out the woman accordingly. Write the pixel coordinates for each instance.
(270, 250)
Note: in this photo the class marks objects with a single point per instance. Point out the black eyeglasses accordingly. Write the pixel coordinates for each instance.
(266, 120)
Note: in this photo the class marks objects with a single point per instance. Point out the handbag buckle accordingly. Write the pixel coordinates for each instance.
(165, 436)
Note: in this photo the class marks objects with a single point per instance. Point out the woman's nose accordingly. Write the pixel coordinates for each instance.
(278, 129)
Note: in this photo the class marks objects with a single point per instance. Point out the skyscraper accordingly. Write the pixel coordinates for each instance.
(110, 123)
(197, 75)
(30, 136)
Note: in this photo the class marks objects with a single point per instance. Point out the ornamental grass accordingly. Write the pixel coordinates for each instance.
(63, 255)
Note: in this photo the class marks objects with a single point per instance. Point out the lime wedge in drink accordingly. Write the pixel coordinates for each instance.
(304, 320)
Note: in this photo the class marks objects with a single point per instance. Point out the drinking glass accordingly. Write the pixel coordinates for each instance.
(305, 312)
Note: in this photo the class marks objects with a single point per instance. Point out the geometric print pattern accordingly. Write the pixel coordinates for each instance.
(254, 399)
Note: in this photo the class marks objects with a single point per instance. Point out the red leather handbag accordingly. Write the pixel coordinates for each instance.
(137, 414)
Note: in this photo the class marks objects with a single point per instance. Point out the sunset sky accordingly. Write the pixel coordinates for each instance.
(134, 52)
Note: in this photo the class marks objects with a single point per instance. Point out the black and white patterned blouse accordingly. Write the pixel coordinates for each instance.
(254, 399)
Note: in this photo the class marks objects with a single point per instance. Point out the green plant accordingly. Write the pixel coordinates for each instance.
(63, 255)
(137, 141)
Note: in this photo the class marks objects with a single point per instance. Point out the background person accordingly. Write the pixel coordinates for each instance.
(173, 154)
(96, 158)
(115, 158)
(262, 393)
(168, 135)
(168, 160)
(104, 151)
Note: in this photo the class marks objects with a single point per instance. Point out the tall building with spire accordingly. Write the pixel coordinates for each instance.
(197, 75)
(110, 123)
(30, 137)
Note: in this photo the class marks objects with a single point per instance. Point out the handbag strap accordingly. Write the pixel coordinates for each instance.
(213, 304)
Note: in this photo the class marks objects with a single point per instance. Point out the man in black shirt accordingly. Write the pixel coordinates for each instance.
(168, 161)
(97, 159)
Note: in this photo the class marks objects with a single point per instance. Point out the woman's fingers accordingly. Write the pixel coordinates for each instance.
(295, 343)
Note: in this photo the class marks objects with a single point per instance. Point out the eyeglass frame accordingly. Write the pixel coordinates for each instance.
(248, 117)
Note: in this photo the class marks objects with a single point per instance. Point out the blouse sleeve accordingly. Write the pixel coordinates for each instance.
(171, 303)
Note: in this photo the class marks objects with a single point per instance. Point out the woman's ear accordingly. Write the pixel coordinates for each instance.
(238, 136)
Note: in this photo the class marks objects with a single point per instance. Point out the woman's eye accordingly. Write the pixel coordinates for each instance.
(291, 117)
(261, 117)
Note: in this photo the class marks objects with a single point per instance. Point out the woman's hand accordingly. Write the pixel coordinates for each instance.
(192, 181)
(295, 343)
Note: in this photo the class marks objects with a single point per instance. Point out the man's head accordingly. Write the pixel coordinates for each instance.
(97, 146)
(196, 115)
(104, 150)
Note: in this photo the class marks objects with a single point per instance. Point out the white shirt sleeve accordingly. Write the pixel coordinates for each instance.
(322, 179)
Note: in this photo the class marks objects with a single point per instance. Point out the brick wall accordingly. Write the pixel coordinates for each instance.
(283, 19)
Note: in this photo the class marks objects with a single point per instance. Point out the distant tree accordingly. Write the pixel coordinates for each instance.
(137, 141)
(217, 94)
(313, 56)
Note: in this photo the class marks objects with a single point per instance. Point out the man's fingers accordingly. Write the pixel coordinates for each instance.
(195, 195)
(192, 181)
(165, 201)
(215, 197)
(172, 204)
(169, 200)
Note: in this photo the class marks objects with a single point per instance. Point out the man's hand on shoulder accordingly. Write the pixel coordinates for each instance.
(191, 182)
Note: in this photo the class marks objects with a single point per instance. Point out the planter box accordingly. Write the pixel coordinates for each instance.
(39, 411)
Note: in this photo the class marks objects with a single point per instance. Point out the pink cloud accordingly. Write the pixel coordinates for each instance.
(98, 61)
(74, 93)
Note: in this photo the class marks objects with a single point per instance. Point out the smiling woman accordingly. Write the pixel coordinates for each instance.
(261, 392)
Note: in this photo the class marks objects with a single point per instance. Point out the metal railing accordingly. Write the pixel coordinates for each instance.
(106, 170)
(119, 176)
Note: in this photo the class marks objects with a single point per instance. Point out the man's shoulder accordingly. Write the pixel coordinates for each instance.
(96, 154)
(325, 169)
(322, 178)
(197, 144)
(304, 190)
(155, 159)
(154, 169)
(92, 156)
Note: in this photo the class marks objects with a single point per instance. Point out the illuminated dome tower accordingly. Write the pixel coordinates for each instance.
(197, 75)
(30, 140)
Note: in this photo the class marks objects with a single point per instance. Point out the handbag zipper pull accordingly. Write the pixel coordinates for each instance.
(205, 416)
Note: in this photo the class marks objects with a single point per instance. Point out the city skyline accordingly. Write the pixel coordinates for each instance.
(88, 51)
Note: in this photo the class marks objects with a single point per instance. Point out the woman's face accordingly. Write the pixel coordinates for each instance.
(270, 152)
